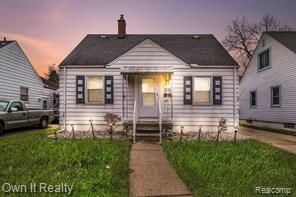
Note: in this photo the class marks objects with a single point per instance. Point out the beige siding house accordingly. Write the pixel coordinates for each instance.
(267, 89)
(178, 80)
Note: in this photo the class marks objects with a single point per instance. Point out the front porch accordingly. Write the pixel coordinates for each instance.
(147, 105)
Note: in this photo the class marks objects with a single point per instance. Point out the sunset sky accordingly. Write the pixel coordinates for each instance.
(49, 30)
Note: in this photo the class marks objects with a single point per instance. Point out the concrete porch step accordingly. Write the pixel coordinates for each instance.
(153, 124)
(149, 139)
(153, 131)
(147, 134)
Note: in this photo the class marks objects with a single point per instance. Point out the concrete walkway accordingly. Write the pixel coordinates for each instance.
(282, 141)
(151, 173)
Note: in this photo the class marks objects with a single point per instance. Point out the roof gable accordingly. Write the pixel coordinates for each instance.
(14, 52)
(147, 53)
(101, 50)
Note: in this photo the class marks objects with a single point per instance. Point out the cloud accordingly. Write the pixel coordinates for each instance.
(41, 52)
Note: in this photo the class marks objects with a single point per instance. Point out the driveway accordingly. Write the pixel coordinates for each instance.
(282, 141)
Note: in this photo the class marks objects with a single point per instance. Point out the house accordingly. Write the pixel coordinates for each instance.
(20, 81)
(181, 80)
(267, 89)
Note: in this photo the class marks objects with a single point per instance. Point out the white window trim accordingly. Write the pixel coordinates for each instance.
(271, 97)
(86, 90)
(211, 91)
(258, 59)
(250, 99)
(23, 94)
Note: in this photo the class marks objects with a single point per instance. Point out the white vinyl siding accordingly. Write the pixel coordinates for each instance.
(283, 72)
(149, 55)
(207, 116)
(78, 114)
(16, 72)
(189, 116)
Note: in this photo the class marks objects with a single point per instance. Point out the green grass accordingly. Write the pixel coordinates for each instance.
(32, 157)
(231, 169)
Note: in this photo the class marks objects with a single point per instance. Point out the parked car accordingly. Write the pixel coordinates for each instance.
(15, 114)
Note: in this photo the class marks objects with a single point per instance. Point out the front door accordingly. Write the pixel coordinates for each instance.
(148, 97)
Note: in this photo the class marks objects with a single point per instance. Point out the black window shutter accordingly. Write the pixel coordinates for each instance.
(217, 90)
(109, 90)
(187, 90)
(80, 89)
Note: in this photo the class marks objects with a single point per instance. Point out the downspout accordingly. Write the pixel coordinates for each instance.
(234, 97)
(123, 95)
(64, 109)
(64, 97)
(127, 98)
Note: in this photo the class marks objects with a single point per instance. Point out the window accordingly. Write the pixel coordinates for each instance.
(3, 105)
(24, 94)
(289, 126)
(275, 96)
(202, 90)
(44, 104)
(55, 100)
(94, 89)
(148, 92)
(263, 60)
(253, 99)
(17, 105)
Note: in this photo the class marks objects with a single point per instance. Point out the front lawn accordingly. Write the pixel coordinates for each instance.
(93, 167)
(229, 169)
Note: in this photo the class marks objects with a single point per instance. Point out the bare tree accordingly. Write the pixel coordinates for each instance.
(52, 74)
(242, 36)
(269, 23)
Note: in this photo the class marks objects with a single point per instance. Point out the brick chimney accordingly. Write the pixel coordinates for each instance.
(121, 27)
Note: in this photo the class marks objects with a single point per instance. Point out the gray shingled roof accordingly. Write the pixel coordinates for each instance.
(94, 50)
(287, 38)
(49, 84)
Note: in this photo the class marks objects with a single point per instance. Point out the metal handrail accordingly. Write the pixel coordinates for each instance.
(160, 121)
(134, 122)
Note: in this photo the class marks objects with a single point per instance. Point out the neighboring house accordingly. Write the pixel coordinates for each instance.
(191, 79)
(268, 87)
(53, 96)
(19, 80)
